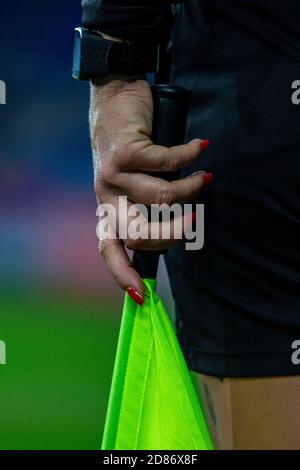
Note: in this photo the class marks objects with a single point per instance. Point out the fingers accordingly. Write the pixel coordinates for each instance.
(147, 189)
(118, 263)
(127, 172)
(139, 234)
(147, 157)
(159, 236)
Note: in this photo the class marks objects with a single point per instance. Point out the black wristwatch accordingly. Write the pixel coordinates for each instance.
(95, 57)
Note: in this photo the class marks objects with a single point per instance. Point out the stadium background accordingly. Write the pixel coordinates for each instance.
(59, 309)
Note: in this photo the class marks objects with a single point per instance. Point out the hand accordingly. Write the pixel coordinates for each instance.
(121, 112)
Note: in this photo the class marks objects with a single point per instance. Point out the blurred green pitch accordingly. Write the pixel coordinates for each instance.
(54, 387)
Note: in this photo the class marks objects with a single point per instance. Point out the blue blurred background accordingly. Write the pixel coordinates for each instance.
(59, 309)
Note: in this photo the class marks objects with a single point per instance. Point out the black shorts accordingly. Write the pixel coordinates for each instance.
(238, 299)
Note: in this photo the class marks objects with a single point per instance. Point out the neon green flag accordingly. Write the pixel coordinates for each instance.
(153, 404)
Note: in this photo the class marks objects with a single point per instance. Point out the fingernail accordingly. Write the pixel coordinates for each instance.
(135, 295)
(204, 145)
(207, 179)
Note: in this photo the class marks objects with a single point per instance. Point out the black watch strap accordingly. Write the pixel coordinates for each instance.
(95, 56)
(130, 58)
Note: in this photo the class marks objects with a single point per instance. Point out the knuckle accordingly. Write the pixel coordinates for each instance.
(173, 163)
(100, 188)
(107, 173)
(166, 195)
(121, 154)
(117, 276)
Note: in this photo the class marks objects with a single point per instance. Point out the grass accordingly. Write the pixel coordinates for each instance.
(54, 387)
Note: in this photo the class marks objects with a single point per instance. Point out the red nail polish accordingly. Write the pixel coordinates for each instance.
(135, 295)
(204, 145)
(207, 179)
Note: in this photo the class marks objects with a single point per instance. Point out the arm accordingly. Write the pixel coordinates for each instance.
(125, 159)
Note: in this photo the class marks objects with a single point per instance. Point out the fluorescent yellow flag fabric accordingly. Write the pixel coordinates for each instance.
(153, 404)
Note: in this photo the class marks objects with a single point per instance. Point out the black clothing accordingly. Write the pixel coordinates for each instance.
(238, 299)
(133, 19)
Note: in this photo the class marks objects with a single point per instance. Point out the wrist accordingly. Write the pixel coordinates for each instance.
(98, 55)
(117, 80)
(103, 91)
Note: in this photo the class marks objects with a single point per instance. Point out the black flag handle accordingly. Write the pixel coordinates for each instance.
(170, 106)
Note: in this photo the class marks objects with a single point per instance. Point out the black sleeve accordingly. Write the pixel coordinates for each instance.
(149, 20)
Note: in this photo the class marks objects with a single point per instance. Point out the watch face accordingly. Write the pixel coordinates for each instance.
(76, 53)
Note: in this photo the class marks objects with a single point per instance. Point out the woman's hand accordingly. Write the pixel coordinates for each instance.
(121, 113)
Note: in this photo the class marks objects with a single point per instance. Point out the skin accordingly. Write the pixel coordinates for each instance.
(252, 413)
(121, 112)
